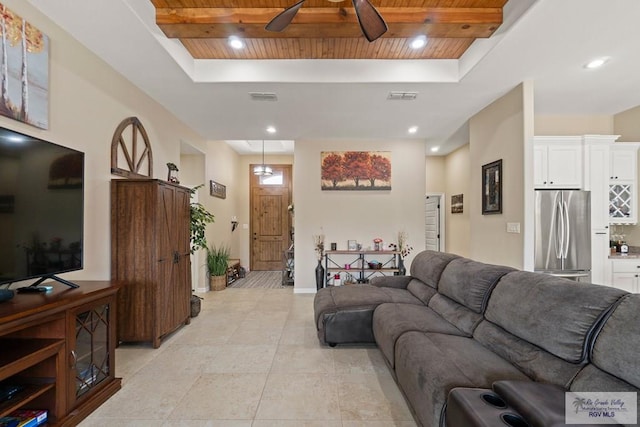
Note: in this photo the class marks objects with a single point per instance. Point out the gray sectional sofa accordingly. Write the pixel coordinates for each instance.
(455, 324)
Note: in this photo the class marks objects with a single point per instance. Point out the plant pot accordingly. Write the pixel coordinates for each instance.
(196, 305)
(217, 283)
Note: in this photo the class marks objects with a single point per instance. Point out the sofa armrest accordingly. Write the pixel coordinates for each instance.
(542, 405)
(398, 282)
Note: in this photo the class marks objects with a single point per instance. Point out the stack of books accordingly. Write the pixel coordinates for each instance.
(24, 418)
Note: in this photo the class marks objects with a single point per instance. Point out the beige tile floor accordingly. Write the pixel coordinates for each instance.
(252, 358)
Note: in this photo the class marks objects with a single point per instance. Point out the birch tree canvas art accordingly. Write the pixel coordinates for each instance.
(24, 61)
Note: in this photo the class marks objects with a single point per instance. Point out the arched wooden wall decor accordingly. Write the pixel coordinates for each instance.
(129, 149)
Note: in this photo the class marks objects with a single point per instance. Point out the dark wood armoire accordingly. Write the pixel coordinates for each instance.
(150, 234)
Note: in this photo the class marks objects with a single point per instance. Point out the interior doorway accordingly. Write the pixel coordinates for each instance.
(270, 221)
(434, 220)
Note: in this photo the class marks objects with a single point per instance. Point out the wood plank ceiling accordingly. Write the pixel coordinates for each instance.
(327, 30)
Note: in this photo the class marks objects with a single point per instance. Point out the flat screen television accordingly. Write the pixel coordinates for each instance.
(41, 209)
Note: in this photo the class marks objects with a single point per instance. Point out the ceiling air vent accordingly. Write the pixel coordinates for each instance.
(263, 96)
(402, 96)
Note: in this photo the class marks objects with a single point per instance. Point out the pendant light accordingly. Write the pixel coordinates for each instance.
(262, 170)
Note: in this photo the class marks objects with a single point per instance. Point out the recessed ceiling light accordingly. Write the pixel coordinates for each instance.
(236, 42)
(271, 129)
(596, 63)
(419, 42)
(434, 149)
(413, 129)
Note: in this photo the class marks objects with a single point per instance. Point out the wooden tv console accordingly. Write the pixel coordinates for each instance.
(59, 348)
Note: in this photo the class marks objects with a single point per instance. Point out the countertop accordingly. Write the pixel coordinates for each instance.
(634, 255)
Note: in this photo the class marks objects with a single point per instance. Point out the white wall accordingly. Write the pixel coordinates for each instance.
(435, 176)
(357, 215)
(87, 100)
(500, 131)
(567, 125)
(458, 177)
(222, 166)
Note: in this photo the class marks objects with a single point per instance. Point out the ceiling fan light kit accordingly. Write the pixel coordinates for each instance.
(371, 22)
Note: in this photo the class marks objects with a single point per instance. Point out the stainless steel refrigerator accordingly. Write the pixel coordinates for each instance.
(563, 233)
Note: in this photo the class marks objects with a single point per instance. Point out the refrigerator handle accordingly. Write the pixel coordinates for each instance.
(559, 220)
(568, 230)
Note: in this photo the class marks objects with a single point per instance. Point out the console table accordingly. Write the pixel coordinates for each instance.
(357, 263)
(59, 349)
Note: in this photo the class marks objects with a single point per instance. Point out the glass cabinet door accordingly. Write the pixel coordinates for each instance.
(91, 352)
(620, 201)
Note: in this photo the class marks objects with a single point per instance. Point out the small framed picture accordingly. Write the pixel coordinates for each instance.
(457, 203)
(352, 245)
(217, 190)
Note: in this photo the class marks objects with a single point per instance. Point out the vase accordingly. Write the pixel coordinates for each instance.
(319, 276)
(402, 270)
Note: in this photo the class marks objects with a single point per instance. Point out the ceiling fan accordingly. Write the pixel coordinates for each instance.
(371, 23)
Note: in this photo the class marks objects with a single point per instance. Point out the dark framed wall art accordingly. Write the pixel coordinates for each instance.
(492, 188)
(457, 203)
(217, 190)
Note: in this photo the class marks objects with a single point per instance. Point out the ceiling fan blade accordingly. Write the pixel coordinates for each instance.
(371, 23)
(284, 18)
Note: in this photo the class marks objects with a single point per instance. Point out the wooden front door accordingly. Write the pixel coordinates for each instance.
(270, 219)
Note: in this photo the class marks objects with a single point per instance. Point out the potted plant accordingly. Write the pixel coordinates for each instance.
(217, 265)
(200, 217)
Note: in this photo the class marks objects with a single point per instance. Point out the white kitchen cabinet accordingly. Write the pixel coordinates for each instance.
(596, 180)
(626, 274)
(600, 266)
(623, 183)
(596, 177)
(557, 162)
(624, 159)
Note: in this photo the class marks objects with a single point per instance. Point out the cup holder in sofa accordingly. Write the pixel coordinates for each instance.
(493, 400)
(513, 420)
(479, 407)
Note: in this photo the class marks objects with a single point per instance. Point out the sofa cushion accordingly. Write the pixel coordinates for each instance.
(427, 266)
(429, 365)
(399, 282)
(470, 282)
(421, 291)
(617, 345)
(593, 379)
(536, 363)
(556, 314)
(343, 314)
(457, 314)
(392, 320)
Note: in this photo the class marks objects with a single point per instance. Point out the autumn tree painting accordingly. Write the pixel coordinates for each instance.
(24, 89)
(356, 170)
